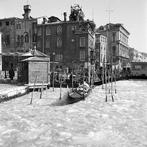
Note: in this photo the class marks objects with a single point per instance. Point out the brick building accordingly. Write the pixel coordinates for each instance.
(100, 50)
(117, 39)
(70, 43)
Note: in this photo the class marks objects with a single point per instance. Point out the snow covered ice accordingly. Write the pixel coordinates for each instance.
(89, 123)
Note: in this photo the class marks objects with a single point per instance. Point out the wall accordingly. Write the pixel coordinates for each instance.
(70, 37)
(39, 71)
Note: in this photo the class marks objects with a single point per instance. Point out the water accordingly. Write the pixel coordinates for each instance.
(89, 123)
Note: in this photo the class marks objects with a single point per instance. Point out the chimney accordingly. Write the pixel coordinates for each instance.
(64, 16)
(44, 20)
(27, 10)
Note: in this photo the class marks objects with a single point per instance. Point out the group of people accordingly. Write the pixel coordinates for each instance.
(83, 87)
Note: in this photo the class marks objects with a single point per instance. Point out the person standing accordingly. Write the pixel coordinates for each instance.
(11, 72)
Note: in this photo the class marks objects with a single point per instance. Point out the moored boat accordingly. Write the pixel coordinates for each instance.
(79, 93)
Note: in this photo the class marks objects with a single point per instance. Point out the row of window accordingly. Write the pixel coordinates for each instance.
(100, 39)
(123, 38)
(58, 30)
(7, 23)
(103, 39)
(123, 52)
(59, 42)
(20, 39)
(48, 31)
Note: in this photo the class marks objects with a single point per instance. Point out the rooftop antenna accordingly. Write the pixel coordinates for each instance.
(109, 11)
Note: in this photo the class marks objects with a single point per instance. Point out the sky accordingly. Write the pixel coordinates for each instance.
(131, 13)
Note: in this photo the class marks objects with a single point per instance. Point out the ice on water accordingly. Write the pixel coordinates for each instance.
(89, 123)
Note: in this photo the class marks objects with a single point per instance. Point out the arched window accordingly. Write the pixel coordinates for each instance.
(48, 30)
(59, 30)
(26, 37)
(59, 42)
(47, 44)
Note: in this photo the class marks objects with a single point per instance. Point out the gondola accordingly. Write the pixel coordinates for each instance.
(79, 93)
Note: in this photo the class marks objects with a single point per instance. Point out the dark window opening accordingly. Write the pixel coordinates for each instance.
(18, 40)
(34, 37)
(26, 38)
(7, 40)
(114, 50)
(113, 37)
(7, 23)
(0, 24)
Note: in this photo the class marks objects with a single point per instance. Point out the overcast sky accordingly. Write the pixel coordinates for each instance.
(131, 13)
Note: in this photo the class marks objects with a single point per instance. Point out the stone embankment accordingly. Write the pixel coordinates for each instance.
(7, 93)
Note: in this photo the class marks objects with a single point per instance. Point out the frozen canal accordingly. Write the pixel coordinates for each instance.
(89, 123)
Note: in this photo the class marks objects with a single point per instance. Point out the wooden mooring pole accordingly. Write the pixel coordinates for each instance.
(33, 90)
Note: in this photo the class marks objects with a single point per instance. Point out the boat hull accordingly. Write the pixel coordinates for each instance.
(77, 96)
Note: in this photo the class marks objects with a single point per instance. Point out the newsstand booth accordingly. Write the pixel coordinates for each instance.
(34, 70)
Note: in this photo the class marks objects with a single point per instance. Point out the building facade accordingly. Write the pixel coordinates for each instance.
(17, 33)
(100, 50)
(136, 56)
(133, 55)
(69, 43)
(118, 49)
(18, 36)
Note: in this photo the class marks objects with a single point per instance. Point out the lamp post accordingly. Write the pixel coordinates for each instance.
(53, 68)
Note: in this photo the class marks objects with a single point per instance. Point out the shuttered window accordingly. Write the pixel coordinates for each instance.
(82, 42)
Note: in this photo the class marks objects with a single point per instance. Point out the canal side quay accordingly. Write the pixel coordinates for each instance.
(12, 89)
(8, 92)
(89, 123)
